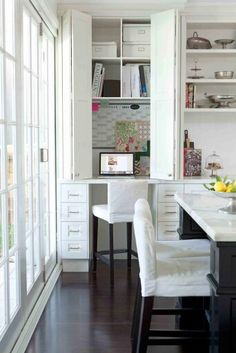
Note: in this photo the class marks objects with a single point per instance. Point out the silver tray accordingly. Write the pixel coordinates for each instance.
(222, 101)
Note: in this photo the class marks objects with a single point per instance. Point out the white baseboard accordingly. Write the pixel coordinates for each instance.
(28, 330)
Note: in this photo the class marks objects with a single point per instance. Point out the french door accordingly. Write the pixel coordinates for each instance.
(27, 163)
(39, 138)
(10, 299)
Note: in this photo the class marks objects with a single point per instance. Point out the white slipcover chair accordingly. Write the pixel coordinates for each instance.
(121, 198)
(167, 269)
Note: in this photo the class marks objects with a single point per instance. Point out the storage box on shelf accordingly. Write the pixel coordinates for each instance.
(74, 221)
(141, 50)
(136, 32)
(104, 49)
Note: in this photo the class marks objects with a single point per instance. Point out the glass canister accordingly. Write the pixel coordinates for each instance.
(213, 163)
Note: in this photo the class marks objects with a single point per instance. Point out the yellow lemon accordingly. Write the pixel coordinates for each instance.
(229, 187)
(220, 186)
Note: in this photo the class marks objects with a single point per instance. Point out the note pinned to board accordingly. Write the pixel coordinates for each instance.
(95, 107)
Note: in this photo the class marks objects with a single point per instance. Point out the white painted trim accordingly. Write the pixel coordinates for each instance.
(144, 9)
(126, 10)
(48, 16)
(37, 311)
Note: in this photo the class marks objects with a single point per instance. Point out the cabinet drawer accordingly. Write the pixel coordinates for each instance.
(136, 33)
(166, 193)
(194, 188)
(168, 212)
(74, 193)
(74, 231)
(73, 212)
(136, 50)
(74, 249)
(167, 231)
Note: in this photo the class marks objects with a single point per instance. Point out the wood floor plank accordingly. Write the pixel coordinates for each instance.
(85, 315)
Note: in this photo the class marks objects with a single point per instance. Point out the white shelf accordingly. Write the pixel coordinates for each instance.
(132, 58)
(107, 59)
(211, 51)
(210, 80)
(210, 110)
(121, 98)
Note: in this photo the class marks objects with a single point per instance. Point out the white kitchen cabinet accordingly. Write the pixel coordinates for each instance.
(132, 38)
(210, 126)
(76, 95)
(74, 221)
(164, 95)
(167, 211)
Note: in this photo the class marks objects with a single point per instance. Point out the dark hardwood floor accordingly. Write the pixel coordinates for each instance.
(84, 315)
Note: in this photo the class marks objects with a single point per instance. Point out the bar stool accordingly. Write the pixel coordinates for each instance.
(167, 269)
(122, 196)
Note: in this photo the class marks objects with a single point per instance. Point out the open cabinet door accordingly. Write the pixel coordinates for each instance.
(163, 95)
(77, 95)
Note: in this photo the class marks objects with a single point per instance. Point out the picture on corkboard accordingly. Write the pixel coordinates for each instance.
(134, 136)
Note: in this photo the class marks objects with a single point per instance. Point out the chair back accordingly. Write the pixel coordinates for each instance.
(122, 195)
(145, 241)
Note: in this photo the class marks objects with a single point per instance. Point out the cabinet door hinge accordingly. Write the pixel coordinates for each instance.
(41, 29)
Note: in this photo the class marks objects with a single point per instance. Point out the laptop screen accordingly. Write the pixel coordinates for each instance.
(116, 163)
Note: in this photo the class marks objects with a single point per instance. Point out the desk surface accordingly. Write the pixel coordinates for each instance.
(105, 180)
(204, 211)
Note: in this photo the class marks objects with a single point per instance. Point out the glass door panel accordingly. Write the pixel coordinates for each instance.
(47, 142)
(2, 299)
(9, 26)
(10, 111)
(31, 49)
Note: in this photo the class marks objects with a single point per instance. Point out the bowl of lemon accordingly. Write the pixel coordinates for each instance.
(226, 188)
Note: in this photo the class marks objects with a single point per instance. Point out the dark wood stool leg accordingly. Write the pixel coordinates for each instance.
(95, 242)
(129, 243)
(136, 316)
(144, 324)
(111, 254)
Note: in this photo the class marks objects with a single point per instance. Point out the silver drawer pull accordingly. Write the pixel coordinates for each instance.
(74, 212)
(72, 195)
(74, 231)
(170, 212)
(169, 231)
(74, 247)
(169, 195)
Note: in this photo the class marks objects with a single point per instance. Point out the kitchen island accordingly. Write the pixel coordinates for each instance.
(200, 217)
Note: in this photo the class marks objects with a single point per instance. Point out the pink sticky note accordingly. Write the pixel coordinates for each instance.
(95, 107)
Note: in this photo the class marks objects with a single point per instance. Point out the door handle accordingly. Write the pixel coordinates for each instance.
(43, 155)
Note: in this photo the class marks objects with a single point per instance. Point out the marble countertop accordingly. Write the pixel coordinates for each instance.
(204, 209)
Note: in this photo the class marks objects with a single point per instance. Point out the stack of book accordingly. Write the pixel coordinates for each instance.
(136, 80)
(98, 79)
(190, 100)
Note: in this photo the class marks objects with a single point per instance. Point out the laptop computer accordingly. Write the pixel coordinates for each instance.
(117, 164)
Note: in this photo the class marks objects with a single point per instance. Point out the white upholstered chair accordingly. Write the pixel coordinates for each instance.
(121, 195)
(167, 269)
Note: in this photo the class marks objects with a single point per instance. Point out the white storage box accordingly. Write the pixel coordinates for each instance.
(136, 50)
(136, 33)
(104, 49)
